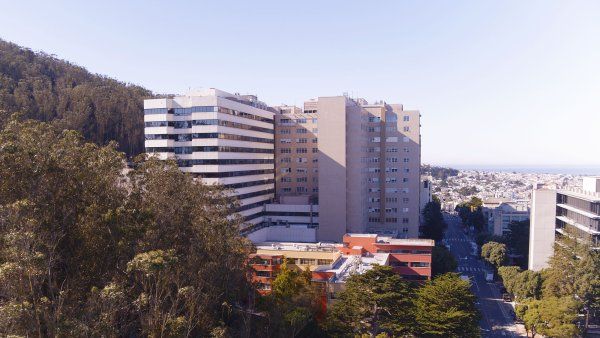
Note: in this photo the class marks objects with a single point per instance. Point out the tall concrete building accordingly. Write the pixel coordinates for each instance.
(360, 161)
(338, 165)
(563, 212)
(218, 137)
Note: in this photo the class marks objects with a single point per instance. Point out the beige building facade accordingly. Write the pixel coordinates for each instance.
(359, 161)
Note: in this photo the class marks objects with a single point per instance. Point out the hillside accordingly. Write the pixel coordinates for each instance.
(45, 88)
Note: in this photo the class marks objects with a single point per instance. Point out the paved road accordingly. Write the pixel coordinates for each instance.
(497, 320)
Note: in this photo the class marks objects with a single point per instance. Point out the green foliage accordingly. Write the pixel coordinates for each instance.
(86, 249)
(48, 89)
(434, 224)
(375, 302)
(494, 253)
(293, 304)
(471, 213)
(445, 307)
(551, 316)
(518, 242)
(522, 284)
(442, 261)
(439, 173)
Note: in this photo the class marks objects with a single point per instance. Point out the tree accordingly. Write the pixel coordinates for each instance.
(471, 213)
(573, 272)
(442, 261)
(293, 303)
(509, 277)
(518, 241)
(48, 89)
(551, 316)
(434, 225)
(494, 253)
(87, 250)
(375, 302)
(445, 307)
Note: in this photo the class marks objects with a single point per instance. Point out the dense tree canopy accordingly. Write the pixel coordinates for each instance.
(434, 224)
(48, 89)
(375, 302)
(517, 240)
(445, 307)
(494, 253)
(86, 249)
(471, 213)
(442, 261)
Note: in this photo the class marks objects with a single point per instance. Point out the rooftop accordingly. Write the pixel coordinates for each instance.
(292, 246)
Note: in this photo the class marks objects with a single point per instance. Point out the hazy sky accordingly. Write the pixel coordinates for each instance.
(497, 82)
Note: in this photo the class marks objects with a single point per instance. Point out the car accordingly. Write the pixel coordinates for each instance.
(507, 297)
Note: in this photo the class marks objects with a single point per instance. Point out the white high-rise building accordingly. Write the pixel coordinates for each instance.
(220, 138)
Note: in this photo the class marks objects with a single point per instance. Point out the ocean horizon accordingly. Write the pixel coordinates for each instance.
(567, 170)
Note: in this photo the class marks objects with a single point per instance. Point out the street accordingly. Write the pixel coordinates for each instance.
(496, 315)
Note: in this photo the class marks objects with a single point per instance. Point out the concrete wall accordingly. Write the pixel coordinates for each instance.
(332, 168)
(542, 228)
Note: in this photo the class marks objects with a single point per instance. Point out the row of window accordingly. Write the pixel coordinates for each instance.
(192, 162)
(233, 173)
(287, 131)
(206, 122)
(249, 184)
(189, 137)
(387, 210)
(189, 150)
(298, 179)
(252, 206)
(390, 118)
(300, 190)
(387, 170)
(298, 150)
(298, 140)
(287, 121)
(389, 190)
(405, 220)
(387, 150)
(206, 109)
(256, 193)
(410, 264)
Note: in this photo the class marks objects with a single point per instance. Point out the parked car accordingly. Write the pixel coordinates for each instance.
(507, 297)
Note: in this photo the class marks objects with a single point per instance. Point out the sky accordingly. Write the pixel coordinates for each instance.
(497, 82)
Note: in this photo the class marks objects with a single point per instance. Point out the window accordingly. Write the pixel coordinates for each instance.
(301, 160)
(405, 220)
(301, 151)
(286, 179)
(374, 219)
(391, 160)
(302, 140)
(301, 131)
(301, 170)
(391, 179)
(391, 118)
(405, 139)
(405, 200)
(406, 150)
(391, 150)
(391, 199)
(391, 220)
(324, 261)
(315, 130)
(301, 189)
(404, 210)
(314, 140)
(373, 180)
(404, 179)
(406, 128)
(315, 150)
(285, 121)
(286, 170)
(373, 150)
(391, 139)
(314, 120)
(373, 129)
(419, 264)
(300, 120)
(287, 189)
(374, 119)
(375, 139)
(285, 140)
(285, 150)
(301, 179)
(306, 261)
(406, 118)
(398, 263)
(285, 160)
(284, 131)
(405, 160)
(391, 170)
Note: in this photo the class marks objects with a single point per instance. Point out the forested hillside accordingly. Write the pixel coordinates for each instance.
(45, 88)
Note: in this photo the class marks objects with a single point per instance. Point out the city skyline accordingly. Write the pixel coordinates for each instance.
(495, 82)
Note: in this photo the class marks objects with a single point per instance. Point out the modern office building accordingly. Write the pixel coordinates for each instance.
(218, 137)
(564, 212)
